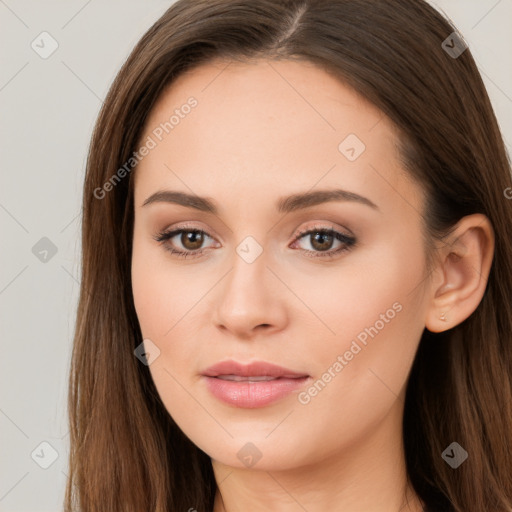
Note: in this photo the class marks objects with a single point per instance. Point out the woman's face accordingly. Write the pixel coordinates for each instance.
(250, 143)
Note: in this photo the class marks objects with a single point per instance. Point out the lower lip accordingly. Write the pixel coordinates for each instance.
(252, 394)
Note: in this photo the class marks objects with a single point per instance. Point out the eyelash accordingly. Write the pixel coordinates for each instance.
(347, 240)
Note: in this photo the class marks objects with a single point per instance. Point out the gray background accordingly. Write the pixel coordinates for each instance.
(48, 109)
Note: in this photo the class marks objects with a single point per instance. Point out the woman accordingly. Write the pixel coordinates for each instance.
(297, 264)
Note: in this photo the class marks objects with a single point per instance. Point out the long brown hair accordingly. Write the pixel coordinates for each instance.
(126, 452)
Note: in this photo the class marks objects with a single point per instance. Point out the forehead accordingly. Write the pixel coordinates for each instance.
(267, 94)
(263, 125)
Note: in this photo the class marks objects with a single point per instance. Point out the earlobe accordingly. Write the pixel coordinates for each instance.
(464, 265)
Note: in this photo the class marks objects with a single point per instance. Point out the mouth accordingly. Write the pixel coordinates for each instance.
(255, 385)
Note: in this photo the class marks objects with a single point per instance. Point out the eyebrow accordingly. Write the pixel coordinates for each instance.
(284, 204)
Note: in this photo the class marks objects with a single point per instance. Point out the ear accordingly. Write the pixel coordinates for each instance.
(461, 274)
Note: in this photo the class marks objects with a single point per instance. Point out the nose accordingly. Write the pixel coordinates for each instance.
(250, 300)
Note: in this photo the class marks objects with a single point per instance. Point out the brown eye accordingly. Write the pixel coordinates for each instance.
(192, 240)
(183, 242)
(321, 241)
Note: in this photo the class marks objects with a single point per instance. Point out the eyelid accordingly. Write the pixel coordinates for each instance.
(171, 232)
(347, 239)
(185, 226)
(343, 235)
(324, 226)
(296, 233)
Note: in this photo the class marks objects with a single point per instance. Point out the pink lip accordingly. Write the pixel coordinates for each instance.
(252, 394)
(255, 369)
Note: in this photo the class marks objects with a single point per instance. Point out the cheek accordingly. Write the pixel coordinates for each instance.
(161, 300)
(167, 299)
(374, 309)
(161, 292)
(376, 312)
(147, 295)
(366, 285)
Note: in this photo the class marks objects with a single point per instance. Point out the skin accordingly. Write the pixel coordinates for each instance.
(263, 130)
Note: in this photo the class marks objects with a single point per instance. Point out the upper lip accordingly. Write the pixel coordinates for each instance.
(254, 369)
